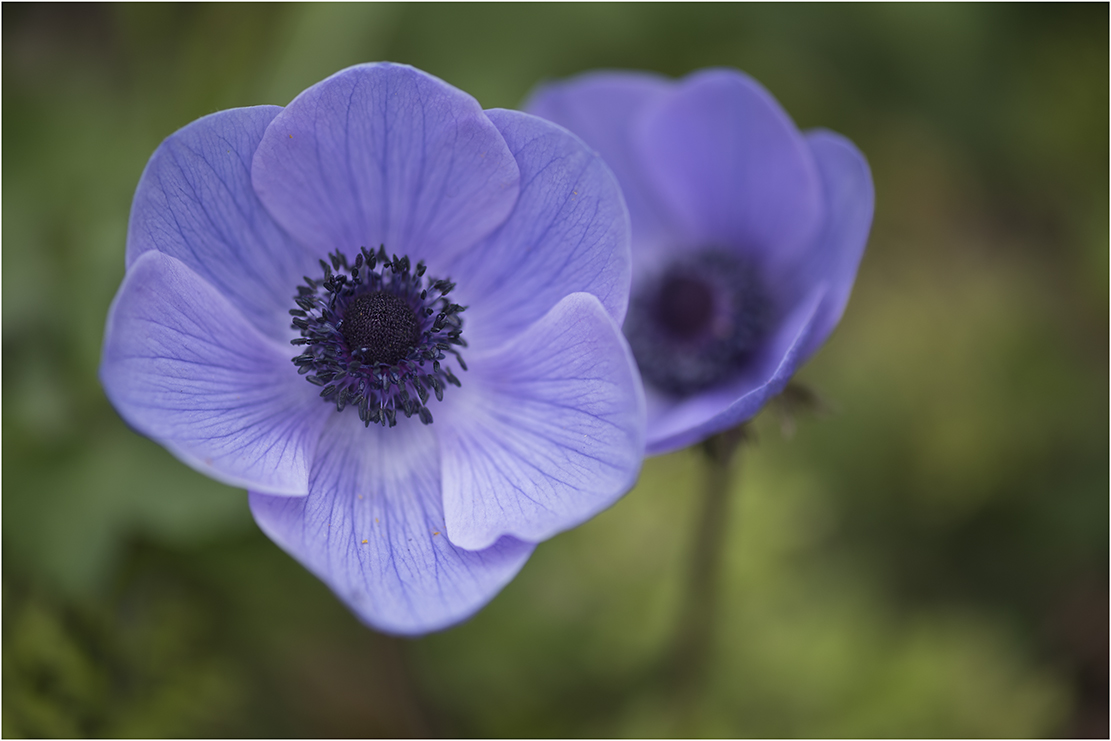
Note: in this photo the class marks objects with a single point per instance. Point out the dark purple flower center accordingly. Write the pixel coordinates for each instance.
(693, 326)
(384, 326)
(684, 306)
(375, 335)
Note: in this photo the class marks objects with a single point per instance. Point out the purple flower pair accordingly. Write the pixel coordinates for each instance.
(396, 318)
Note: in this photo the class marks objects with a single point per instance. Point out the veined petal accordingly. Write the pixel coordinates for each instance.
(729, 160)
(385, 154)
(372, 528)
(601, 108)
(182, 365)
(546, 432)
(568, 232)
(675, 424)
(836, 254)
(195, 202)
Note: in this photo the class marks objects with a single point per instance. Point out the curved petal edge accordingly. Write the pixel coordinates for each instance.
(850, 204)
(372, 529)
(724, 154)
(697, 418)
(181, 365)
(385, 154)
(568, 232)
(195, 202)
(602, 107)
(550, 430)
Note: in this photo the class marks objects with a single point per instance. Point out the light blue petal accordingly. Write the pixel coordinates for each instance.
(182, 365)
(545, 433)
(386, 154)
(850, 201)
(602, 108)
(372, 529)
(195, 202)
(568, 232)
(728, 159)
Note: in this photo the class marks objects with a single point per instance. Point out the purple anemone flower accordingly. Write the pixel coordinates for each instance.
(747, 235)
(395, 319)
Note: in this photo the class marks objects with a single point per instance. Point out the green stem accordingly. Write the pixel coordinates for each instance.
(410, 720)
(694, 636)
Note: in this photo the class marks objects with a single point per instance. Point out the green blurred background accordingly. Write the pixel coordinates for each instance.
(928, 559)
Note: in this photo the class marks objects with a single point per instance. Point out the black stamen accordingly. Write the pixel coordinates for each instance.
(368, 330)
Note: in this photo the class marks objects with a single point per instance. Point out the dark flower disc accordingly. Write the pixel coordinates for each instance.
(382, 325)
(375, 334)
(692, 326)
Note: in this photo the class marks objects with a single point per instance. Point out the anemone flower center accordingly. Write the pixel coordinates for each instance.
(382, 325)
(376, 334)
(685, 306)
(694, 325)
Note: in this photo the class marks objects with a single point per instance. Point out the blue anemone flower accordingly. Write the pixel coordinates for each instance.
(747, 235)
(394, 318)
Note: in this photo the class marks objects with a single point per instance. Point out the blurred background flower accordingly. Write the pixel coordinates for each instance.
(747, 235)
(931, 559)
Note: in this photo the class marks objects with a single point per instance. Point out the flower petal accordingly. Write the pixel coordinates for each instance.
(836, 254)
(601, 108)
(673, 425)
(385, 154)
(546, 432)
(569, 232)
(183, 366)
(195, 202)
(372, 528)
(728, 159)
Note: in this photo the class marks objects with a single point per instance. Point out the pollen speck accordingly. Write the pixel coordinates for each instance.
(364, 540)
(437, 532)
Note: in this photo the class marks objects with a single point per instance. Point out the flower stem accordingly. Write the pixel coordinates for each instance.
(411, 720)
(694, 636)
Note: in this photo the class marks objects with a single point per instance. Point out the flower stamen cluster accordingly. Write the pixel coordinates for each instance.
(375, 334)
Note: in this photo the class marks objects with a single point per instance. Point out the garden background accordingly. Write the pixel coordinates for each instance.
(927, 558)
